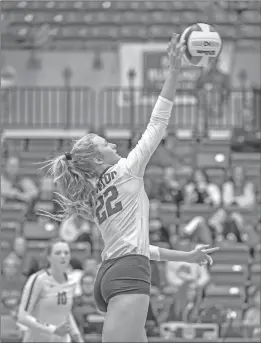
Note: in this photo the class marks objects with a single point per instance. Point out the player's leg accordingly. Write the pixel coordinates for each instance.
(125, 319)
(144, 337)
(126, 288)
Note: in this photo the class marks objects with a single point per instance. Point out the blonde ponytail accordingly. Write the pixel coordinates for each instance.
(75, 177)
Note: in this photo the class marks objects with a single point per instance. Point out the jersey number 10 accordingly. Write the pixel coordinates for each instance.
(61, 298)
(105, 207)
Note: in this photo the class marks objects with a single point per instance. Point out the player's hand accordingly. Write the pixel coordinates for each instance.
(62, 329)
(175, 53)
(200, 255)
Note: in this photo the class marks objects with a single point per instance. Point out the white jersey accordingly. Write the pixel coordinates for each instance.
(47, 304)
(122, 210)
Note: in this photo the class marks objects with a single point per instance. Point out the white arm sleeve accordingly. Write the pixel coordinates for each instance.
(140, 155)
(154, 253)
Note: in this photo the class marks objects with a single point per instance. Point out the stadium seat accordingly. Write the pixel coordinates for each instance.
(232, 253)
(13, 210)
(9, 229)
(190, 212)
(227, 296)
(228, 274)
(34, 231)
(46, 206)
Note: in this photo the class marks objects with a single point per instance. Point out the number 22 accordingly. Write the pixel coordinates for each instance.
(106, 199)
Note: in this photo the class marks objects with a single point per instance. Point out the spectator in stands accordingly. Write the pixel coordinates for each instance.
(46, 188)
(197, 230)
(84, 303)
(14, 186)
(159, 233)
(180, 153)
(237, 190)
(199, 190)
(76, 272)
(90, 266)
(252, 315)
(180, 273)
(170, 188)
(14, 263)
(74, 229)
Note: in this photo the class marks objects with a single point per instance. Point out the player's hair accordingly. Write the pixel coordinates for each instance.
(76, 179)
(51, 244)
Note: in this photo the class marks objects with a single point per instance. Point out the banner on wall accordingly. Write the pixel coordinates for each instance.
(155, 70)
(150, 62)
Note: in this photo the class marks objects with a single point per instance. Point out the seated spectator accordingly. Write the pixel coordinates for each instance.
(199, 190)
(87, 301)
(158, 233)
(180, 154)
(237, 190)
(231, 225)
(170, 189)
(181, 273)
(76, 273)
(197, 230)
(14, 187)
(90, 266)
(14, 263)
(46, 188)
(74, 229)
(84, 304)
(252, 315)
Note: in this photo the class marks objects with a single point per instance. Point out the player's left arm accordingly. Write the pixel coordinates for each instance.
(31, 295)
(199, 255)
(139, 157)
(75, 332)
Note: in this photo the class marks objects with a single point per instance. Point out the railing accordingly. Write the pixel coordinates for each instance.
(46, 107)
(79, 107)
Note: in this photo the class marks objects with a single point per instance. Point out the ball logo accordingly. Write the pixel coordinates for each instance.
(207, 53)
(206, 44)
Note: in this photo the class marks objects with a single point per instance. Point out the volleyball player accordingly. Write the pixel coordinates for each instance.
(46, 303)
(95, 183)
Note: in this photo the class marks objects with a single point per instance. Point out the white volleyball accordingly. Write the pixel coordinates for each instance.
(203, 44)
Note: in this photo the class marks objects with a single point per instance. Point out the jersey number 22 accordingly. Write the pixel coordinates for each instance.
(106, 207)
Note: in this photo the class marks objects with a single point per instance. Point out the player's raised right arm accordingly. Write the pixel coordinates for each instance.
(140, 155)
(30, 296)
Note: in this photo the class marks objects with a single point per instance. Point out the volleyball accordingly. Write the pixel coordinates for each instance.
(203, 44)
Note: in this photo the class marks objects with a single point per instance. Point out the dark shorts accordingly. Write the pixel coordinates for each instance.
(129, 274)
